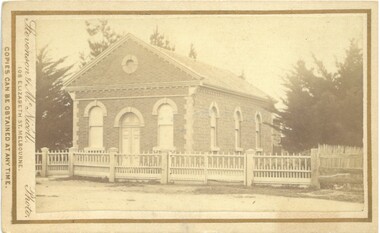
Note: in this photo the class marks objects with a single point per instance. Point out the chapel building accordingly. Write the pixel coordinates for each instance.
(138, 97)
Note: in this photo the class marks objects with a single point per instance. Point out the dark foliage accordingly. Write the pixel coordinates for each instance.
(54, 105)
(323, 107)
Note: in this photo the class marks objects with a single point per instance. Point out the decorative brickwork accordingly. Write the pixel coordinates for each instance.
(75, 119)
(189, 121)
(151, 67)
(192, 88)
(227, 104)
(144, 105)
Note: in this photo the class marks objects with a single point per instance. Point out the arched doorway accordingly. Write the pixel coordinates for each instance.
(130, 134)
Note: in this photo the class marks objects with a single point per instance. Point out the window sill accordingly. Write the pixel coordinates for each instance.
(215, 149)
(239, 149)
(158, 149)
(94, 149)
(259, 150)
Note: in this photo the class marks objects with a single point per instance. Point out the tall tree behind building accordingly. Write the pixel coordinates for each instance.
(158, 39)
(323, 107)
(350, 80)
(297, 117)
(53, 104)
(101, 36)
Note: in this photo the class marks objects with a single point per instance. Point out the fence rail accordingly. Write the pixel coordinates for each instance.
(342, 162)
(282, 169)
(91, 163)
(145, 166)
(248, 168)
(58, 162)
(38, 162)
(340, 157)
(187, 167)
(54, 162)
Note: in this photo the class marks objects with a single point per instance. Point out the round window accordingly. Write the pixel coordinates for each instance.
(129, 64)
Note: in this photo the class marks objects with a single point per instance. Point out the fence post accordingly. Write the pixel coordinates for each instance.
(206, 168)
(44, 161)
(164, 166)
(249, 167)
(315, 168)
(112, 152)
(72, 150)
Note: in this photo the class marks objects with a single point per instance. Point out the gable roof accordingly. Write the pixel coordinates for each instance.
(218, 77)
(208, 75)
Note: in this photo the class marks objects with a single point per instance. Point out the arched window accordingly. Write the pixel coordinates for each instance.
(238, 119)
(165, 126)
(258, 131)
(213, 128)
(95, 139)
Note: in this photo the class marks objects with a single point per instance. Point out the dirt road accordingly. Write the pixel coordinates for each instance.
(67, 195)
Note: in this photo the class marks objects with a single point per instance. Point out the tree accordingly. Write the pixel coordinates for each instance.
(192, 53)
(350, 80)
(296, 117)
(101, 37)
(159, 40)
(54, 105)
(323, 107)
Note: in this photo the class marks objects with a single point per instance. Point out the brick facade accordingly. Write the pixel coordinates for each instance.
(227, 104)
(199, 126)
(150, 68)
(158, 76)
(144, 104)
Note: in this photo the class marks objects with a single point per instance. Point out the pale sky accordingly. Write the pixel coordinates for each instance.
(264, 46)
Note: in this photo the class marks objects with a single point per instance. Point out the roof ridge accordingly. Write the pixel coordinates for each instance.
(163, 53)
(199, 61)
(118, 43)
(235, 76)
(198, 70)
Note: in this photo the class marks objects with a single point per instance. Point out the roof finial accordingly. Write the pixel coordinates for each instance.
(192, 53)
(242, 75)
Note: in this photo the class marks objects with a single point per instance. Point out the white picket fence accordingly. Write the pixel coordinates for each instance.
(247, 168)
(204, 166)
(38, 162)
(282, 169)
(57, 162)
(91, 163)
(144, 166)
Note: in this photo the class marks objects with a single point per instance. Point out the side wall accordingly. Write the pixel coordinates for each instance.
(227, 104)
(141, 99)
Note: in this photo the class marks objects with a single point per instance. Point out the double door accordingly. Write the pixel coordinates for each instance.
(130, 140)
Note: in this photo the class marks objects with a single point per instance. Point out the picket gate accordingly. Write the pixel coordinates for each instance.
(144, 166)
(91, 163)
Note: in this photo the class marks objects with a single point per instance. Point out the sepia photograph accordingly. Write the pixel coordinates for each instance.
(242, 113)
(194, 117)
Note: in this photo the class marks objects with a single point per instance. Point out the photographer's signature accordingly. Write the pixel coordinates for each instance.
(30, 197)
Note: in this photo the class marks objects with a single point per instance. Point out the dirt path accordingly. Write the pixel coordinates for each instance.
(66, 195)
